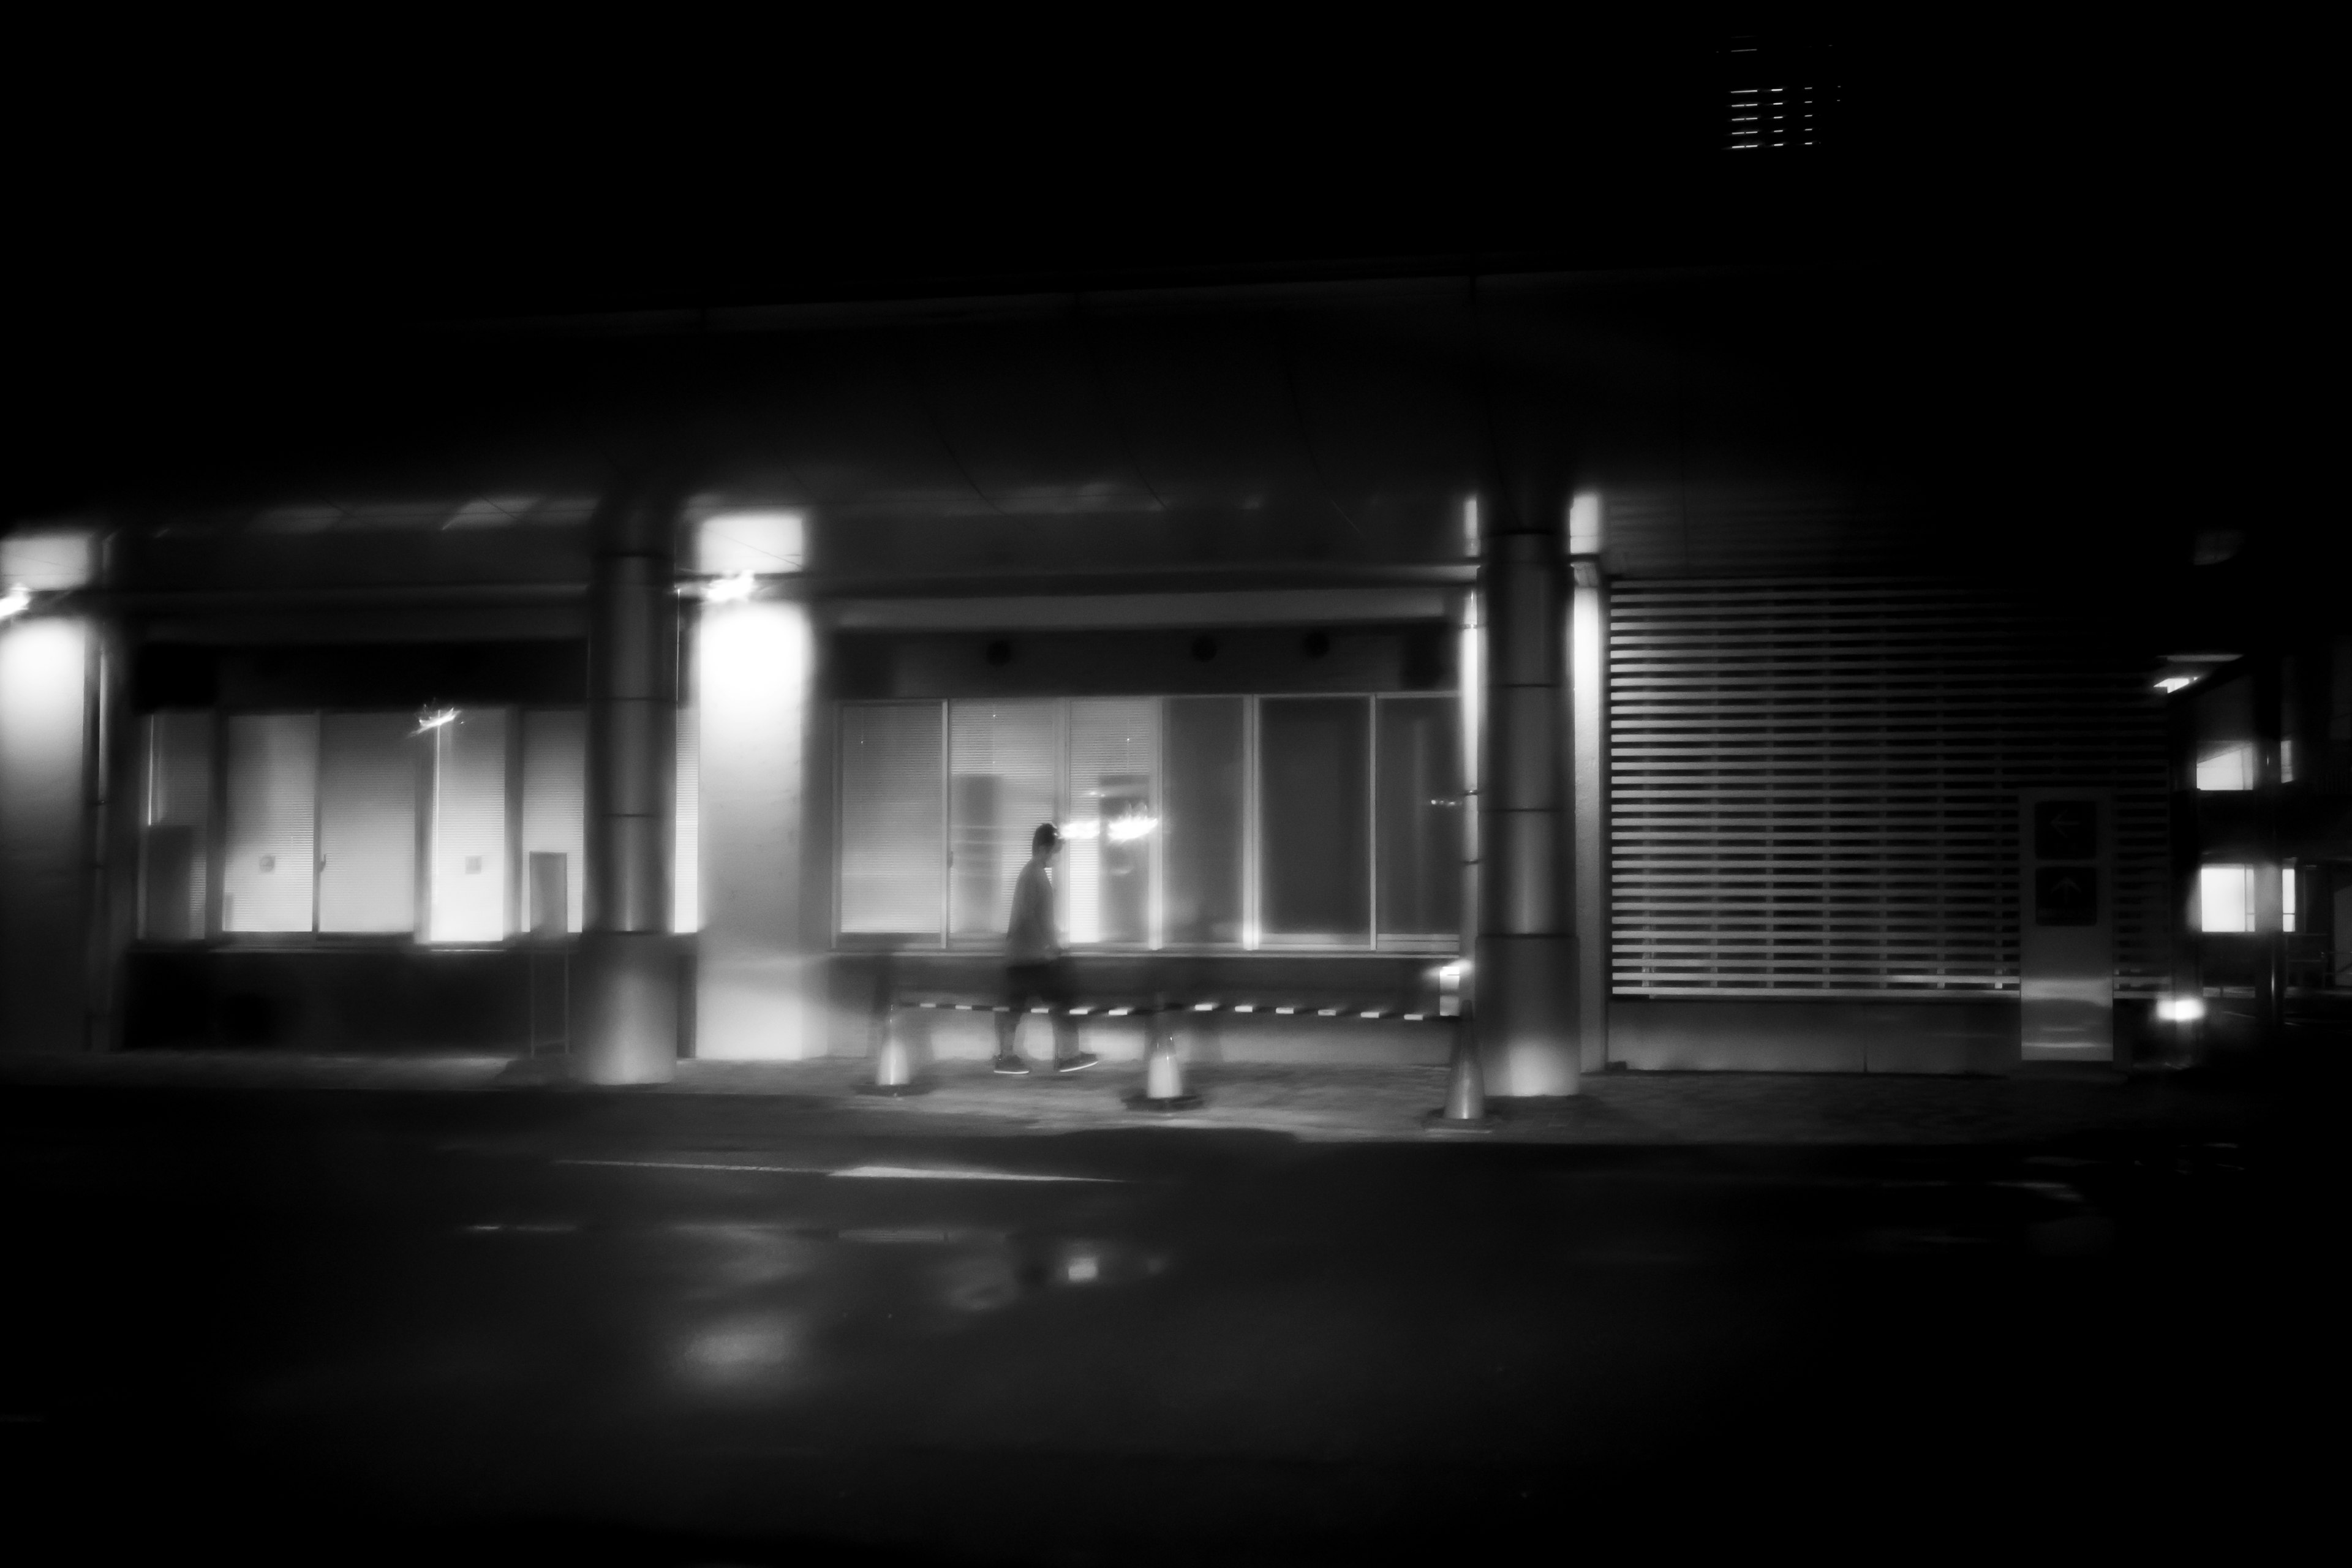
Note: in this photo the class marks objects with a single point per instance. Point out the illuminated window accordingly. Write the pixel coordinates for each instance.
(1315, 818)
(174, 846)
(1003, 778)
(1419, 805)
(1337, 821)
(2230, 768)
(2287, 902)
(686, 826)
(267, 883)
(893, 819)
(2225, 898)
(368, 768)
(1206, 801)
(554, 818)
(1109, 885)
(466, 870)
(363, 823)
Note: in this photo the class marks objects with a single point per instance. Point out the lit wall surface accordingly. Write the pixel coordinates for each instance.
(43, 709)
(756, 968)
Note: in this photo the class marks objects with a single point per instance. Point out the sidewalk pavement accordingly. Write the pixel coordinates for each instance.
(1316, 1103)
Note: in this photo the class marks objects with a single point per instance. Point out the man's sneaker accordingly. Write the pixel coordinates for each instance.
(1011, 1067)
(1078, 1063)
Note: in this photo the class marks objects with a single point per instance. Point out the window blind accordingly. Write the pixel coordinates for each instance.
(1811, 786)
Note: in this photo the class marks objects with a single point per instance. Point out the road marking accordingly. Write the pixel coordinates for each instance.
(700, 1165)
(919, 1172)
(870, 1173)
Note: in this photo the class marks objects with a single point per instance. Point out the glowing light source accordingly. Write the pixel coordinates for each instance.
(2231, 768)
(2176, 682)
(14, 600)
(2180, 1009)
(435, 720)
(1128, 829)
(750, 542)
(2225, 898)
(729, 589)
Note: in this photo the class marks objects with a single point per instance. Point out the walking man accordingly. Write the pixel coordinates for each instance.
(1033, 970)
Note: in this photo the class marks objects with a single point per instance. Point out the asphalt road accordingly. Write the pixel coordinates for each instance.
(337, 1327)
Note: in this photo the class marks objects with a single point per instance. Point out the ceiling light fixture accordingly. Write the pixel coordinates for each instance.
(728, 589)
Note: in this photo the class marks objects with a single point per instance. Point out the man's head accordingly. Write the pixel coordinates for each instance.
(1045, 842)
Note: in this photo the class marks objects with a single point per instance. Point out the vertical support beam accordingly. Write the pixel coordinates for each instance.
(2184, 1036)
(625, 1012)
(1588, 685)
(1472, 674)
(2270, 977)
(45, 870)
(1526, 977)
(758, 969)
(116, 773)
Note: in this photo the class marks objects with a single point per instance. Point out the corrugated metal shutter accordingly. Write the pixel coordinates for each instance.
(1813, 785)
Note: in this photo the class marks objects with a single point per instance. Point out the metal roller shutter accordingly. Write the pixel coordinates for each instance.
(1811, 786)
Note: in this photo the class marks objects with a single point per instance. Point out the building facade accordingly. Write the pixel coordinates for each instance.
(1604, 652)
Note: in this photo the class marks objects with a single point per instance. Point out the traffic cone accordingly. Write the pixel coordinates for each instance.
(1465, 1088)
(1163, 1070)
(893, 1065)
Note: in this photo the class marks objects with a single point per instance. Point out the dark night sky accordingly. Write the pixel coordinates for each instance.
(219, 215)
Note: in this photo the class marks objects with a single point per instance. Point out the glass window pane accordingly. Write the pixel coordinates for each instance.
(1419, 798)
(466, 864)
(1202, 821)
(1114, 817)
(554, 818)
(893, 851)
(367, 821)
(1314, 769)
(174, 846)
(1003, 779)
(273, 799)
(2225, 898)
(685, 826)
(2232, 768)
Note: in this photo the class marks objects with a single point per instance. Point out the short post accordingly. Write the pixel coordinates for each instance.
(1464, 1110)
(1163, 1070)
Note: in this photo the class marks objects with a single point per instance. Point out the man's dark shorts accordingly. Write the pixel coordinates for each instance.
(1047, 983)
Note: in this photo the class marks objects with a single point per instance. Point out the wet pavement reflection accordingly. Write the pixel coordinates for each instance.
(434, 1328)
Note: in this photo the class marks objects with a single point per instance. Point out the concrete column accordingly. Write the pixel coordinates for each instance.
(45, 882)
(625, 978)
(758, 967)
(1588, 682)
(1526, 976)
